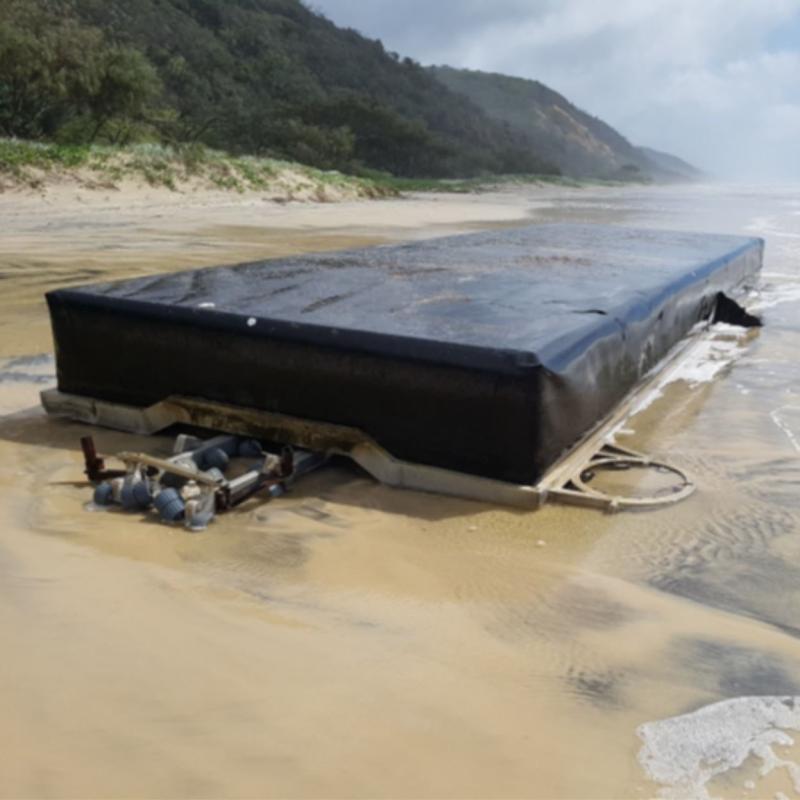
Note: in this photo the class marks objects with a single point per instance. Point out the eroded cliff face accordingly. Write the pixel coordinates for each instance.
(579, 144)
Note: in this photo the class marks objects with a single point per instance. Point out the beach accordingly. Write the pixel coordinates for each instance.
(350, 640)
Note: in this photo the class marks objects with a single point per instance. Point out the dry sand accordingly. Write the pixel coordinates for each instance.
(354, 641)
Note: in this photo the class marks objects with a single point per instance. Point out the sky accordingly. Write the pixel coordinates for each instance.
(716, 82)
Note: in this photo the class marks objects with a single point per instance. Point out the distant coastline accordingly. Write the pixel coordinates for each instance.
(160, 90)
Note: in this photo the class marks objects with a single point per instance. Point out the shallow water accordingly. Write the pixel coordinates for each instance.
(354, 641)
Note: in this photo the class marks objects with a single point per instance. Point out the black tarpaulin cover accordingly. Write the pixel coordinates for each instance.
(488, 353)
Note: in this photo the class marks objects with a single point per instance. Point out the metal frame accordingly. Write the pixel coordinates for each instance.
(579, 491)
(567, 481)
(319, 437)
(564, 482)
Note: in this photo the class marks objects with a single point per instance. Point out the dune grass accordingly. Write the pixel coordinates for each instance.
(33, 164)
(178, 167)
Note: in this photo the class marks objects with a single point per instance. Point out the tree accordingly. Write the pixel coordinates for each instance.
(127, 85)
(57, 74)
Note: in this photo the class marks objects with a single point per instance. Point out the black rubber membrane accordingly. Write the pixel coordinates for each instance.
(488, 353)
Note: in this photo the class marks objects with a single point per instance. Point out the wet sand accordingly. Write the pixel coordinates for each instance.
(350, 640)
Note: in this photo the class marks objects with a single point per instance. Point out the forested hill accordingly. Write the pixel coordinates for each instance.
(264, 77)
(579, 144)
(253, 76)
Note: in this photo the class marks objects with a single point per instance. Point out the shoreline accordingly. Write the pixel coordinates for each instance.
(422, 630)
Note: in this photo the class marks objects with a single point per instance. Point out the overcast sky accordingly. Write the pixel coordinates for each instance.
(714, 81)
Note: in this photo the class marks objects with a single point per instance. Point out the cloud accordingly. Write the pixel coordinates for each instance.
(717, 82)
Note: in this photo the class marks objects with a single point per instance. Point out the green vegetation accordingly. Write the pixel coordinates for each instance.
(32, 163)
(272, 79)
(494, 182)
(269, 78)
(471, 185)
(60, 79)
(35, 163)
